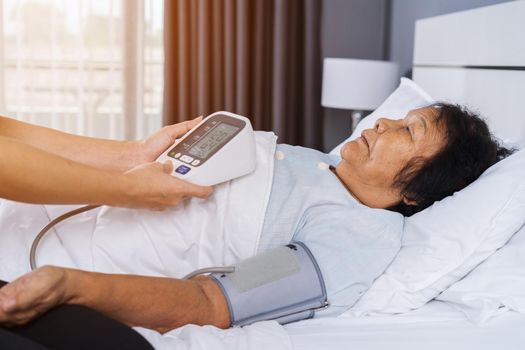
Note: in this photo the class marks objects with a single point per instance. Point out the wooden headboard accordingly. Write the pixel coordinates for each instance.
(477, 58)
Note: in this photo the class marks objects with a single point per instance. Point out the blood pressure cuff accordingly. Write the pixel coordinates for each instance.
(284, 284)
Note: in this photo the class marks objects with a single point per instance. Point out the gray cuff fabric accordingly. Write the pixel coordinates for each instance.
(284, 284)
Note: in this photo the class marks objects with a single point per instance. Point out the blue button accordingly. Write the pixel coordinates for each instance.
(182, 169)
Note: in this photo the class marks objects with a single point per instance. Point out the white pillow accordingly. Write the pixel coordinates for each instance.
(406, 97)
(498, 284)
(444, 242)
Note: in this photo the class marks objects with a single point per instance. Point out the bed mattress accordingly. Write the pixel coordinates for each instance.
(437, 325)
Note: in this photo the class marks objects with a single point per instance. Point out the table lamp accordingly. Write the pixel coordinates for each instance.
(357, 85)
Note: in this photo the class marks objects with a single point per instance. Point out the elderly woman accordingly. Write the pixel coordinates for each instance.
(402, 165)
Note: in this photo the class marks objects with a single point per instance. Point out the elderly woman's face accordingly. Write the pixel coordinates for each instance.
(371, 163)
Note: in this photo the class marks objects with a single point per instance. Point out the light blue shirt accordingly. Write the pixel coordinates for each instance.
(352, 243)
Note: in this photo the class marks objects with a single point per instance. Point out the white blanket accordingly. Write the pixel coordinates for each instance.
(214, 232)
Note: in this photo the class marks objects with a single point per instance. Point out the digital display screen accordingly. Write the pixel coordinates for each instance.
(209, 142)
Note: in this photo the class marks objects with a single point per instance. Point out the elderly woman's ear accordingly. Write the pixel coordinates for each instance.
(409, 201)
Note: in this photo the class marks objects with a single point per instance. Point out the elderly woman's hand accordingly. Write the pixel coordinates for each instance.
(33, 294)
(149, 149)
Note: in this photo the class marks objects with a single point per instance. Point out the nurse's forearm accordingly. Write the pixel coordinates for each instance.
(152, 302)
(100, 153)
(29, 174)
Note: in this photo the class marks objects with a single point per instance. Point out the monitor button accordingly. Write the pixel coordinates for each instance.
(196, 162)
(186, 159)
(182, 169)
(176, 155)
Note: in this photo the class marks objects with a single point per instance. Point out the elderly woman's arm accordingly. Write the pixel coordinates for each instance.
(156, 303)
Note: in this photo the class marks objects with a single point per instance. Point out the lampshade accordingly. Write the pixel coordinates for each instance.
(357, 84)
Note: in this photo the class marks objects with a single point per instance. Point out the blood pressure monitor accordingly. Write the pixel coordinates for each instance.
(218, 149)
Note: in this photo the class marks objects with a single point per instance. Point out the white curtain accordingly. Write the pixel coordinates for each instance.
(91, 67)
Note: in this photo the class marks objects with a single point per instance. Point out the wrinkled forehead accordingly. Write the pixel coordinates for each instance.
(429, 117)
(428, 114)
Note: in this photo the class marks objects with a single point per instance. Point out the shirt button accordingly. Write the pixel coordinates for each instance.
(279, 155)
(323, 165)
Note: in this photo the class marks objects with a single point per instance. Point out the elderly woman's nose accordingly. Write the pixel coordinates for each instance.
(381, 124)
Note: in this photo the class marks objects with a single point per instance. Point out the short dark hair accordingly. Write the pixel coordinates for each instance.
(469, 150)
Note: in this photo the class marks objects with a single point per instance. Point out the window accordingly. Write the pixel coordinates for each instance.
(90, 67)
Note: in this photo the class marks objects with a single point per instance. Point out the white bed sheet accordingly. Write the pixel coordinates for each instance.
(437, 325)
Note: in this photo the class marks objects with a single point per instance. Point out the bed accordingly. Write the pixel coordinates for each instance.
(473, 57)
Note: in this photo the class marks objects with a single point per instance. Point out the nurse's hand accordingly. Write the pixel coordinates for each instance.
(149, 149)
(151, 186)
(33, 294)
